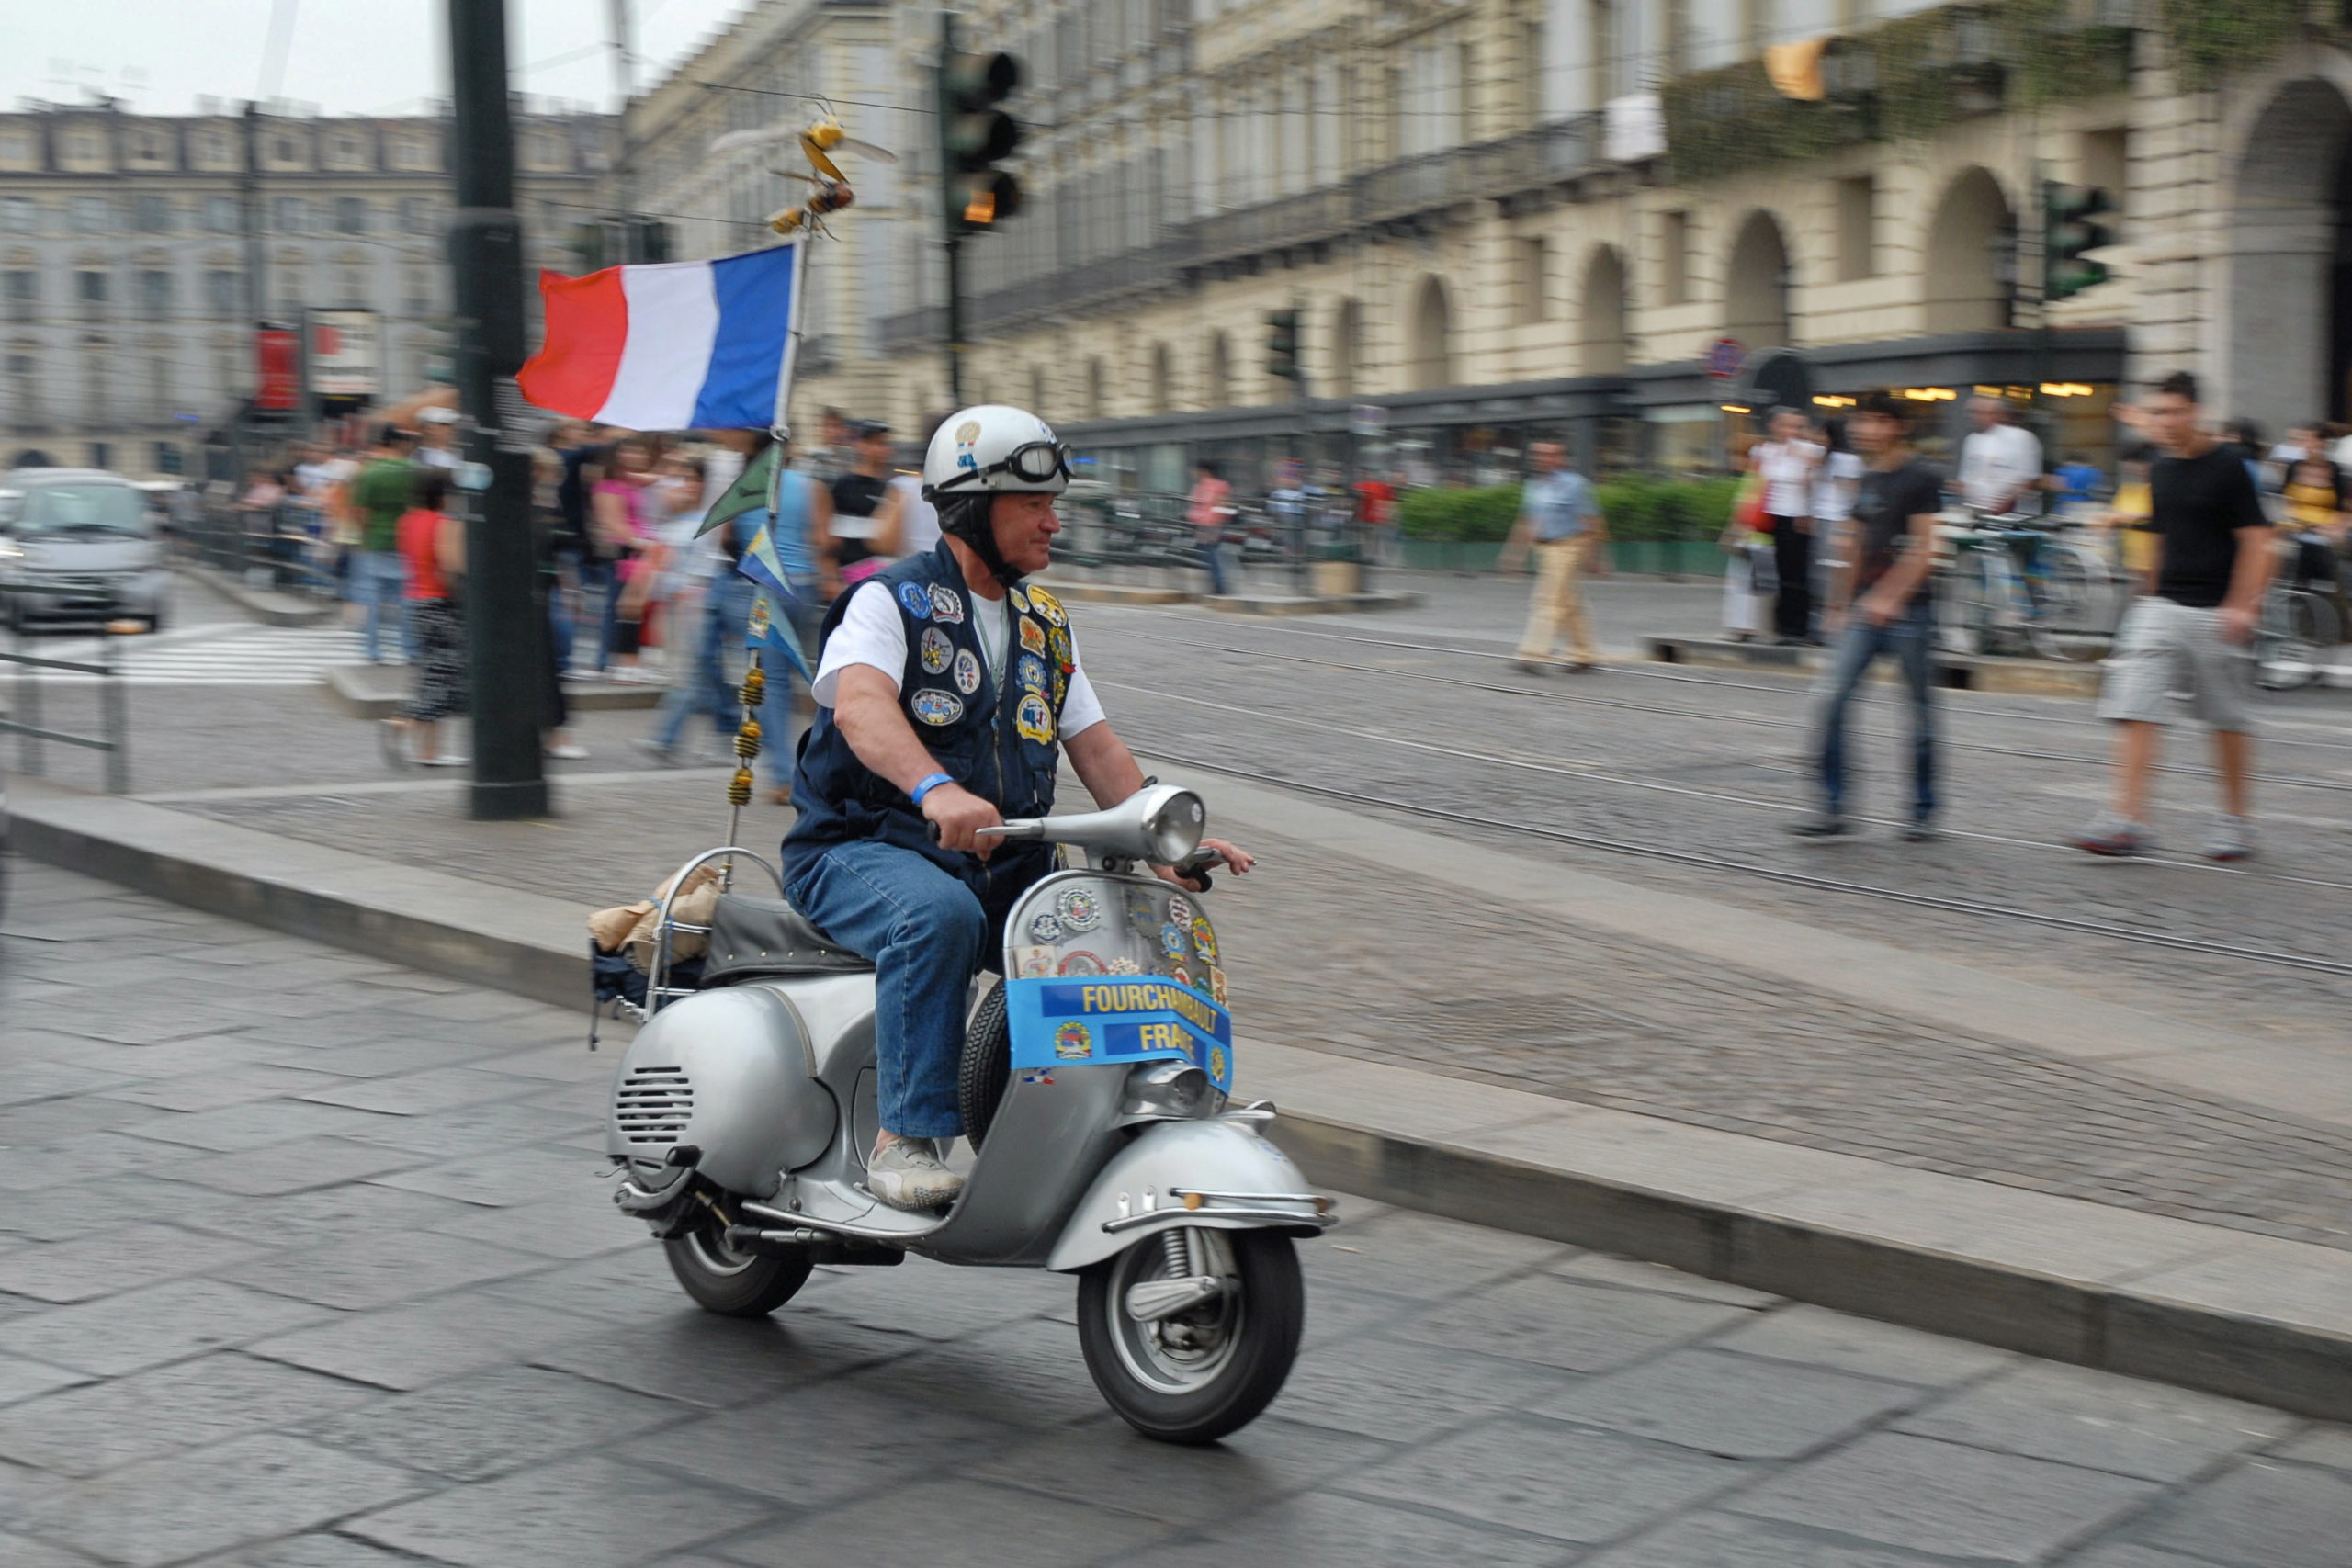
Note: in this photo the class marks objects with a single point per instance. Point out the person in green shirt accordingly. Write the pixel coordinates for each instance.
(380, 491)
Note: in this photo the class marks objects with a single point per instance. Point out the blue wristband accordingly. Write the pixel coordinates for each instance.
(926, 786)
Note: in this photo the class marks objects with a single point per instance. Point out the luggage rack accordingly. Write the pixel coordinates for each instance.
(660, 991)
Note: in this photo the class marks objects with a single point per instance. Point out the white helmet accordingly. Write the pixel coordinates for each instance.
(994, 448)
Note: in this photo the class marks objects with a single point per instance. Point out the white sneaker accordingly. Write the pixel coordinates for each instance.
(908, 1174)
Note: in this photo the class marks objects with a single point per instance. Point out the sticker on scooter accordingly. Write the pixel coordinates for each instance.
(1073, 1041)
(1078, 909)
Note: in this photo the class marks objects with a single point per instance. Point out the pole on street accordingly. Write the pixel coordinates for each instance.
(951, 215)
(508, 647)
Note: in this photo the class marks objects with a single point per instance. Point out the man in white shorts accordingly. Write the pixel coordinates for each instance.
(2193, 629)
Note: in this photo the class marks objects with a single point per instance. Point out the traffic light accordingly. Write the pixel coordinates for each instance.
(1281, 344)
(974, 136)
(2069, 230)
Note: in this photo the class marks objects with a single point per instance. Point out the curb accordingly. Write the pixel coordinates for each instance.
(1966, 672)
(1318, 604)
(2231, 1313)
(348, 688)
(271, 609)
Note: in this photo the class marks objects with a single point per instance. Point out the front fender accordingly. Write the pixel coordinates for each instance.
(1243, 1183)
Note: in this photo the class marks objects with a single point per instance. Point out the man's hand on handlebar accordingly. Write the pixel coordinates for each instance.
(957, 816)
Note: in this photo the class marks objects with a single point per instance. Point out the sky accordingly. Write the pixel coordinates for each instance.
(346, 56)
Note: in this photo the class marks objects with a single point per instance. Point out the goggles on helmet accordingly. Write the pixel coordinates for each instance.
(1032, 462)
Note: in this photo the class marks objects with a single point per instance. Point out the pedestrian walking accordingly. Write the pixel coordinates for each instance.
(1836, 479)
(2193, 627)
(1747, 566)
(863, 532)
(1559, 516)
(621, 517)
(915, 519)
(432, 544)
(1881, 601)
(1210, 511)
(380, 495)
(2000, 462)
(1786, 463)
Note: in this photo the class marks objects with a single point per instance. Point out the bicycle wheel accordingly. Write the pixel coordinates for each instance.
(1964, 610)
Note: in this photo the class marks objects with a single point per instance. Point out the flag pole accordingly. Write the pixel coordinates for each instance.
(748, 737)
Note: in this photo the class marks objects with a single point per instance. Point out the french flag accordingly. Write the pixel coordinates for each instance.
(669, 345)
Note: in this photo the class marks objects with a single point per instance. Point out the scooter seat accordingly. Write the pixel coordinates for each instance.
(761, 938)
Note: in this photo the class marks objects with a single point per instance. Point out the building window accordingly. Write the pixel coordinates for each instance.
(417, 294)
(2107, 163)
(352, 285)
(151, 214)
(16, 147)
(19, 215)
(1674, 259)
(1530, 284)
(101, 452)
(21, 290)
(167, 458)
(90, 287)
(292, 215)
(154, 296)
(416, 216)
(350, 215)
(282, 149)
(220, 214)
(90, 215)
(223, 293)
(1857, 228)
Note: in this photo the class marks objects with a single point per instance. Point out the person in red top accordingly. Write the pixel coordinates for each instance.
(432, 544)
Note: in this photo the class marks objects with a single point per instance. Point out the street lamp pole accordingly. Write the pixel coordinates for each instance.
(508, 649)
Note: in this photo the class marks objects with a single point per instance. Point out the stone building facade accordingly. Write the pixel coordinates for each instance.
(126, 321)
(1500, 215)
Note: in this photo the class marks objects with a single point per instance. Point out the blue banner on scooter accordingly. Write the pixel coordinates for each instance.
(1062, 1023)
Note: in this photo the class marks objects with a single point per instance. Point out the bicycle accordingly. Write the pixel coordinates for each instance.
(2296, 627)
(2010, 582)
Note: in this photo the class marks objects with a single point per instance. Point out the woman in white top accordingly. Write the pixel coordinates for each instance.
(1786, 464)
(1835, 484)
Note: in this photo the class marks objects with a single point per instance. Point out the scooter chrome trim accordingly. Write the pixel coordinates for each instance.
(1135, 1193)
(1166, 1217)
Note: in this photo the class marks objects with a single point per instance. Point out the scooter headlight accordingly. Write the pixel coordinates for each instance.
(1176, 826)
(1177, 1091)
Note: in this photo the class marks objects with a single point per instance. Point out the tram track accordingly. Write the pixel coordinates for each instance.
(1975, 909)
(2285, 781)
(1680, 677)
(1590, 774)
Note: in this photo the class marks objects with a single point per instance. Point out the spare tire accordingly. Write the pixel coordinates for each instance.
(987, 1068)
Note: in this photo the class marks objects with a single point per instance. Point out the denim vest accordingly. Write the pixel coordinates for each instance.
(999, 739)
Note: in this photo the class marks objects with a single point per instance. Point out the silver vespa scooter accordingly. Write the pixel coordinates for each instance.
(1092, 1090)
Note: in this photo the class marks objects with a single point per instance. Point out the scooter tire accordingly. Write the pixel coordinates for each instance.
(1274, 1306)
(729, 1283)
(987, 1068)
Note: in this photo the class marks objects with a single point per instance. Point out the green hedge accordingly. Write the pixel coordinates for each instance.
(1638, 506)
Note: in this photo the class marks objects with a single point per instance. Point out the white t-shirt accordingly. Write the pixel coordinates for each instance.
(1786, 467)
(439, 456)
(1997, 462)
(918, 519)
(1832, 487)
(873, 633)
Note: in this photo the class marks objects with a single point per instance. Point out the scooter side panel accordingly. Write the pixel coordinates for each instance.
(1202, 1156)
(727, 1072)
(1046, 1137)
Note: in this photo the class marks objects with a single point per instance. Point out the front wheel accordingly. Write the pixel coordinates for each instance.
(1191, 1332)
(733, 1283)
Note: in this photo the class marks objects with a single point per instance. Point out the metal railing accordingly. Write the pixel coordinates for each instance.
(28, 723)
(275, 550)
(1145, 540)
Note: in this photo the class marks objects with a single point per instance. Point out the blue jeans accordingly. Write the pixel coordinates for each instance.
(379, 581)
(705, 688)
(1910, 639)
(928, 934)
(1212, 556)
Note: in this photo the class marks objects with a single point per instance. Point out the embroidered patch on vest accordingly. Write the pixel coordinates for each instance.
(1018, 601)
(1048, 607)
(1032, 718)
(1032, 635)
(936, 649)
(1030, 672)
(1062, 655)
(968, 671)
(946, 604)
(934, 706)
(914, 601)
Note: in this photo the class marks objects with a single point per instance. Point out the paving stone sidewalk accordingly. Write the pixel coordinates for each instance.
(305, 1263)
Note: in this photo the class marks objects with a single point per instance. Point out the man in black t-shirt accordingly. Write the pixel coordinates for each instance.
(855, 545)
(1889, 555)
(2194, 627)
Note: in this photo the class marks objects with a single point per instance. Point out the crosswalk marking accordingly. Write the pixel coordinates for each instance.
(205, 656)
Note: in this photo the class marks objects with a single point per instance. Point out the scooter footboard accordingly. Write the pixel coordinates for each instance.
(1218, 1173)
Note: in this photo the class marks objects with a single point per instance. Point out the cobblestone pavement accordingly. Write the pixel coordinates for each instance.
(304, 1265)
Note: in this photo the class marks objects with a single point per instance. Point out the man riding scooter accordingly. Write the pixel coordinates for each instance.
(945, 695)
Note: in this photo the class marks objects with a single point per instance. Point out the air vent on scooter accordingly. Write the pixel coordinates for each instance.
(652, 1104)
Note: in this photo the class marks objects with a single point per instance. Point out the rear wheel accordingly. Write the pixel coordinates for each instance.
(728, 1283)
(1210, 1366)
